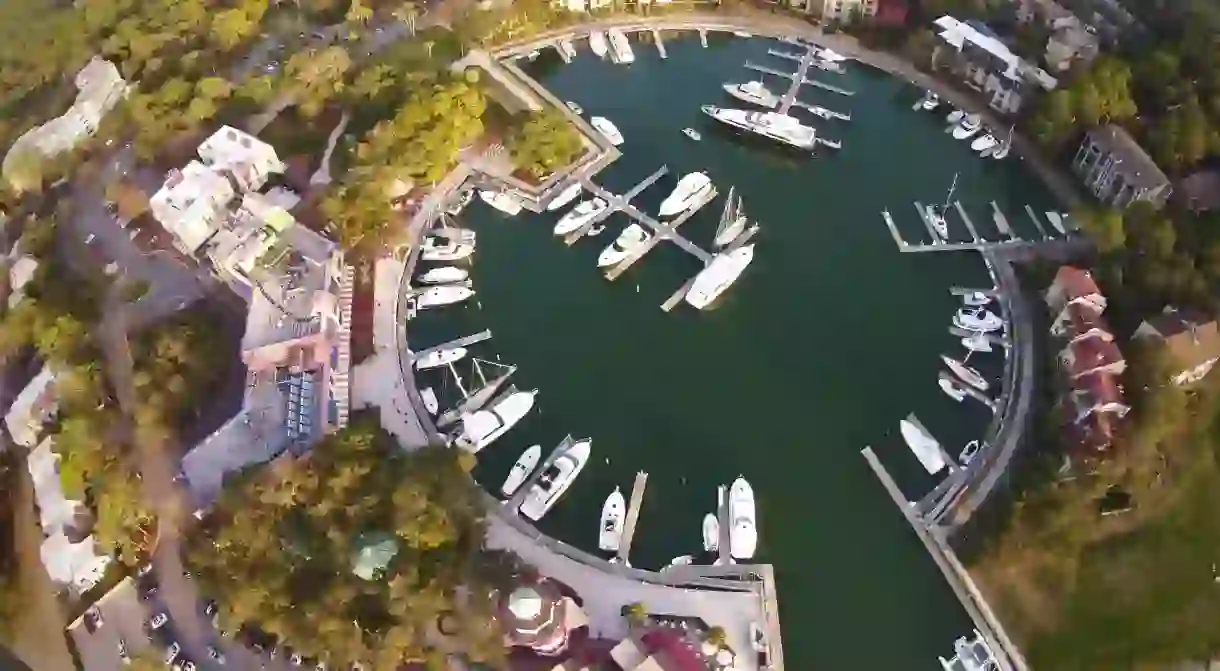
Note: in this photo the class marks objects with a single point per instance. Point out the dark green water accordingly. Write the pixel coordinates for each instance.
(826, 342)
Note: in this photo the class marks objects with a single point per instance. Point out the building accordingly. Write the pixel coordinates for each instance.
(68, 552)
(842, 10)
(1192, 342)
(1118, 171)
(1071, 44)
(536, 615)
(987, 65)
(36, 405)
(246, 159)
(250, 236)
(1200, 192)
(1074, 288)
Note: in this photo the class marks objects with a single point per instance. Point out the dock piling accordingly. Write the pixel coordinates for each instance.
(633, 515)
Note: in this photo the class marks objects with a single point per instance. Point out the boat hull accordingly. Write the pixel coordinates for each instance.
(501, 201)
(951, 390)
(983, 143)
(597, 43)
(961, 132)
(924, 447)
(711, 533)
(540, 502)
(765, 99)
(441, 358)
(434, 299)
(610, 532)
(521, 470)
(607, 129)
(456, 253)
(967, 374)
(444, 275)
(718, 276)
(479, 433)
(573, 220)
(566, 196)
(743, 534)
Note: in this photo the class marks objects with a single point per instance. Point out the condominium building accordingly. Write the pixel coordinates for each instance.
(1118, 171)
(987, 65)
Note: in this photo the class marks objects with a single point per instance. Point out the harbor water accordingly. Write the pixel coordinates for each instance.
(828, 340)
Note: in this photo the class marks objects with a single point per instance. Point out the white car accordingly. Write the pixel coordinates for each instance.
(158, 620)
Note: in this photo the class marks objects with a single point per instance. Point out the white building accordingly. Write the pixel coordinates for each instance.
(73, 564)
(841, 10)
(251, 233)
(249, 160)
(33, 407)
(987, 65)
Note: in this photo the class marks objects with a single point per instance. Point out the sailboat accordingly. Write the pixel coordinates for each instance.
(440, 357)
(1001, 152)
(968, 375)
(521, 470)
(977, 342)
(482, 427)
(612, 521)
(937, 215)
(475, 400)
(443, 294)
(711, 533)
(732, 220)
(444, 275)
(951, 388)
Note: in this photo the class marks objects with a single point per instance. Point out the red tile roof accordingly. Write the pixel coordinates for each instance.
(1097, 389)
(1090, 354)
(1076, 282)
(1083, 317)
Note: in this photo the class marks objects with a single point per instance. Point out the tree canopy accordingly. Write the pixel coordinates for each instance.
(545, 142)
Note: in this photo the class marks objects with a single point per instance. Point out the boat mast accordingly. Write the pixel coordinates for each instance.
(949, 195)
(726, 216)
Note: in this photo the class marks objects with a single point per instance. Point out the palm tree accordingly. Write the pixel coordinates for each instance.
(716, 636)
(636, 612)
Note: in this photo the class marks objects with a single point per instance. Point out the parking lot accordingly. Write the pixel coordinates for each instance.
(122, 619)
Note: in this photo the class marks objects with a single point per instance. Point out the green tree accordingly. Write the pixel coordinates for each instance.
(315, 77)
(717, 637)
(1105, 228)
(544, 143)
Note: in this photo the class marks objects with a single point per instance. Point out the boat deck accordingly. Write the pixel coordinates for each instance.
(663, 232)
(518, 498)
(632, 517)
(617, 203)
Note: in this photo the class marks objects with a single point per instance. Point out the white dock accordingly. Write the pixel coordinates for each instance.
(656, 37)
(633, 516)
(1030, 211)
(974, 233)
(1001, 221)
(459, 342)
(617, 203)
(802, 79)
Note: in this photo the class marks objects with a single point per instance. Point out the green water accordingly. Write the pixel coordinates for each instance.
(826, 342)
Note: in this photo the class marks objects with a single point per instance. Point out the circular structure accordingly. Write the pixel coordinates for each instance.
(829, 339)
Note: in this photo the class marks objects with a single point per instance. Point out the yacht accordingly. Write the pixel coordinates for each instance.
(689, 191)
(580, 215)
(576, 109)
(429, 398)
(984, 143)
(502, 201)
(565, 47)
(753, 92)
(450, 251)
(445, 294)
(732, 220)
(967, 127)
(566, 196)
(620, 47)
(692, 134)
(830, 56)
(955, 116)
(597, 43)
(521, 470)
(711, 533)
(460, 204)
(952, 389)
(1001, 152)
(743, 535)
(1056, 220)
(555, 480)
(976, 299)
(440, 357)
(977, 342)
(971, 655)
(607, 129)
(682, 560)
(936, 214)
(979, 319)
(968, 452)
(533, 55)
(482, 427)
(931, 102)
(925, 447)
(724, 269)
(611, 531)
(628, 241)
(781, 127)
(968, 375)
(444, 275)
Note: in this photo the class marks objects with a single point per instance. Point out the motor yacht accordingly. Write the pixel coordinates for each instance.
(440, 357)
(976, 299)
(936, 216)
(580, 215)
(444, 294)
(724, 269)
(482, 427)
(521, 470)
(1056, 220)
(951, 389)
(607, 129)
(977, 342)
(743, 535)
(432, 250)
(692, 134)
(460, 204)
(682, 560)
(690, 190)
(566, 48)
(627, 242)
(967, 374)
(444, 275)
(967, 127)
(931, 102)
(985, 143)
(555, 480)
(955, 116)
(429, 398)
(597, 43)
(753, 92)
(971, 655)
(711, 533)
(611, 530)
(502, 201)
(925, 447)
(780, 127)
(620, 47)
(978, 319)
(968, 452)
(564, 197)
(576, 109)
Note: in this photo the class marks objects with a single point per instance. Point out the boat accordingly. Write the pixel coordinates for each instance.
(977, 342)
(711, 533)
(967, 374)
(687, 193)
(971, 655)
(753, 92)
(440, 357)
(968, 452)
(445, 294)
(936, 215)
(742, 33)
(607, 129)
(682, 560)
(1001, 152)
(1056, 220)
(724, 269)
(533, 55)
(979, 319)
(432, 250)
(976, 299)
(482, 427)
(526, 463)
(462, 201)
(502, 201)
(564, 197)
(743, 535)
(576, 109)
(955, 116)
(565, 47)
(781, 127)
(951, 389)
(830, 56)
(612, 521)
(597, 43)
(925, 447)
(444, 275)
(555, 480)
(429, 398)
(628, 241)
(692, 134)
(968, 126)
(580, 215)
(732, 220)
(931, 102)
(985, 143)
(620, 47)
(596, 231)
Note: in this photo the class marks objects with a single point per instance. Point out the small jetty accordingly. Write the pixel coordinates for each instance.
(1037, 222)
(464, 341)
(617, 203)
(976, 243)
(633, 516)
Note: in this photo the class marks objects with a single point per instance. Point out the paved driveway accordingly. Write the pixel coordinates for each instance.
(123, 617)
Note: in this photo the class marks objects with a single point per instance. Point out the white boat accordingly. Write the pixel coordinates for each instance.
(580, 215)
(533, 55)
(951, 389)
(444, 275)
(692, 134)
(781, 127)
(555, 480)
(445, 294)
(564, 197)
(565, 47)
(718, 276)
(711, 533)
(742, 33)
(682, 560)
(732, 220)
(440, 357)
(620, 47)
(830, 56)
(433, 250)
(984, 143)
(967, 127)
(931, 102)
(925, 447)
(955, 116)
(482, 427)
(613, 519)
(753, 92)
(967, 374)
(597, 43)
(462, 201)
(526, 463)
(976, 299)
(576, 109)
(596, 231)
(977, 342)
(971, 655)
(689, 190)
(1056, 220)
(607, 129)
(968, 452)
(429, 398)
(628, 241)
(979, 319)
(502, 201)
(1001, 152)
(936, 215)
(743, 535)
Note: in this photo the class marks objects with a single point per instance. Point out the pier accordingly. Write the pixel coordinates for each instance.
(633, 516)
(1001, 221)
(974, 233)
(801, 80)
(519, 497)
(663, 232)
(617, 203)
(927, 221)
(979, 244)
(723, 551)
(459, 342)
(1030, 211)
(656, 37)
(970, 391)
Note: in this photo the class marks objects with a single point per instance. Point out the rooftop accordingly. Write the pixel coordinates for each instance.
(1075, 283)
(1192, 338)
(959, 33)
(188, 204)
(1136, 166)
(35, 404)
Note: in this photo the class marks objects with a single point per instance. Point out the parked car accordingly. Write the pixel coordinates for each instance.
(93, 619)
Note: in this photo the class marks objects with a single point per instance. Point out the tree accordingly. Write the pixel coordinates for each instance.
(358, 13)
(636, 612)
(545, 143)
(717, 637)
(1105, 227)
(314, 77)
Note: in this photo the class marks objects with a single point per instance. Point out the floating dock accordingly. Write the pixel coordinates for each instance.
(656, 37)
(633, 516)
(519, 497)
(464, 341)
(663, 232)
(1030, 211)
(1001, 221)
(617, 203)
(961, 211)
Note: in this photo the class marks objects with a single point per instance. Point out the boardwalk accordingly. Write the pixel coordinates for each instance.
(663, 232)
(633, 516)
(617, 203)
